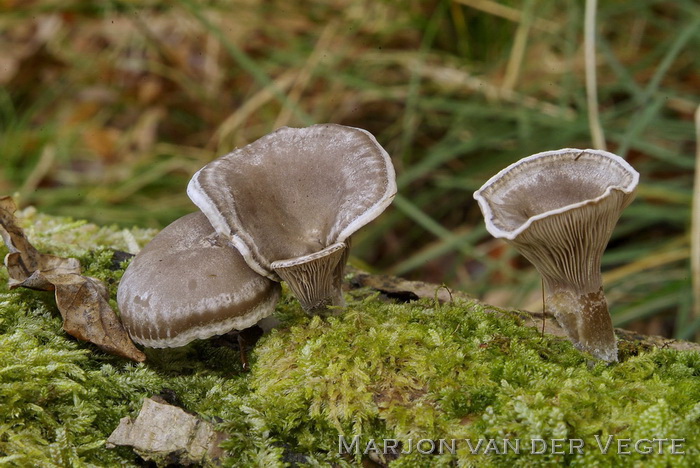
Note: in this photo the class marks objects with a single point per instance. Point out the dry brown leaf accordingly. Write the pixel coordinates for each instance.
(165, 432)
(13, 235)
(82, 301)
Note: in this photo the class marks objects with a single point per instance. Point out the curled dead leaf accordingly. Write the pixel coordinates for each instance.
(82, 301)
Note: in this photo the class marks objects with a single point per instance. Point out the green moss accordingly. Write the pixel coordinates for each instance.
(378, 371)
(462, 371)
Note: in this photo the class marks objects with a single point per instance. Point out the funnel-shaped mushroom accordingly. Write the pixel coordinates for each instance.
(559, 208)
(188, 283)
(290, 201)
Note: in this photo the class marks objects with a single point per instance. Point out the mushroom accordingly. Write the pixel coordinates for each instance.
(559, 208)
(189, 283)
(290, 201)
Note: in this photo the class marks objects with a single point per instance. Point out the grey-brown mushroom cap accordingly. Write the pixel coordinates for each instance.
(188, 284)
(295, 191)
(552, 182)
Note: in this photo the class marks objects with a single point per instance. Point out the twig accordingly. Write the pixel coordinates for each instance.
(238, 117)
(695, 225)
(591, 82)
(517, 53)
(42, 168)
(544, 308)
(509, 13)
(455, 78)
(646, 263)
(305, 74)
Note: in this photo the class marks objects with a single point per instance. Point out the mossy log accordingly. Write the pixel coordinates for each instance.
(403, 290)
(406, 367)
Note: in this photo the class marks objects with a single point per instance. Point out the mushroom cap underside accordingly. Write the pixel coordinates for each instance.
(566, 246)
(188, 284)
(550, 183)
(295, 191)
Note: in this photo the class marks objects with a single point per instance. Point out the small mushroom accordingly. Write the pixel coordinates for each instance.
(189, 283)
(559, 208)
(290, 201)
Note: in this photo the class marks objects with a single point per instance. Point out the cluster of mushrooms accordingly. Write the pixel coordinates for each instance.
(283, 208)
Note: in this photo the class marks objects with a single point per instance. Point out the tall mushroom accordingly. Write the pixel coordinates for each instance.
(559, 208)
(291, 200)
(189, 283)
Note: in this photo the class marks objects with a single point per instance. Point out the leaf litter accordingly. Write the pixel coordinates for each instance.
(83, 301)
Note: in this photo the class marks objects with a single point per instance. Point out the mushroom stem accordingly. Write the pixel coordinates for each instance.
(316, 279)
(585, 319)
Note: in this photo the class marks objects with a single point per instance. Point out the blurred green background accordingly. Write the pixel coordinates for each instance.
(108, 107)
